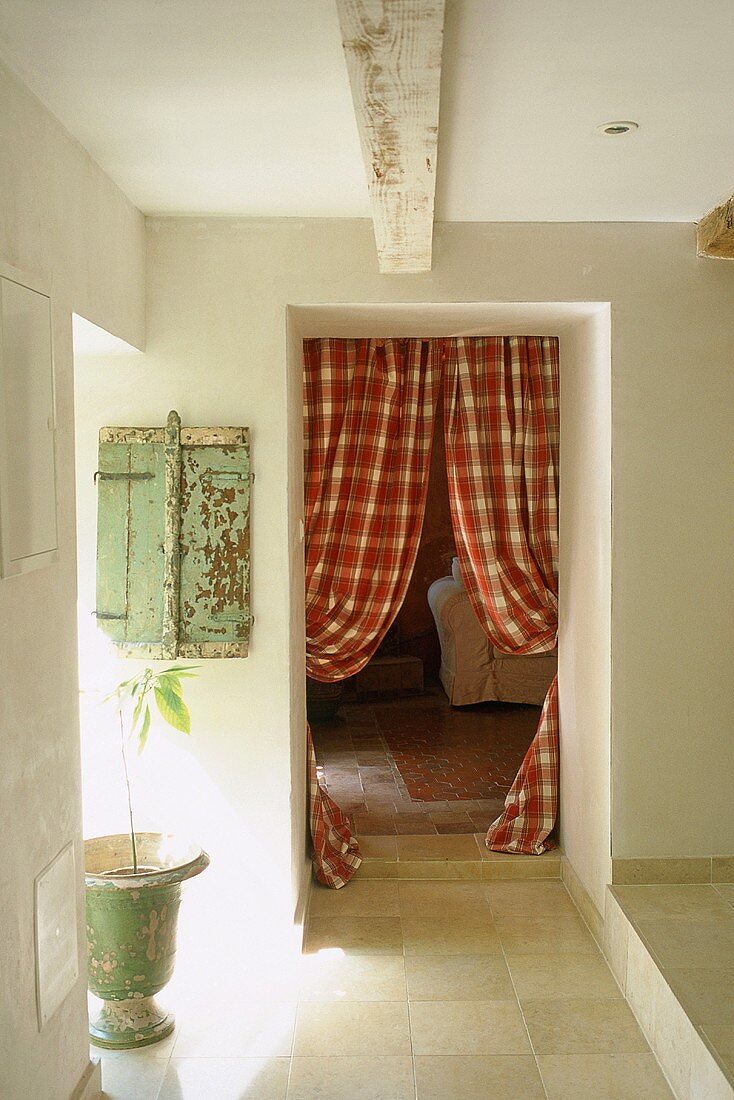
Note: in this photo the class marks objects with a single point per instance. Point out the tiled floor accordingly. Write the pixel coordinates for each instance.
(689, 931)
(462, 858)
(417, 765)
(416, 990)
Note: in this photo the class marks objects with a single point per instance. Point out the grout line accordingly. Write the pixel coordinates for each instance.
(407, 998)
(519, 1005)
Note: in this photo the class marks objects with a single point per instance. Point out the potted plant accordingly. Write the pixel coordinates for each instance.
(133, 887)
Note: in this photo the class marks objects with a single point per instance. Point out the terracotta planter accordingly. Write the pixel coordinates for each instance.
(131, 932)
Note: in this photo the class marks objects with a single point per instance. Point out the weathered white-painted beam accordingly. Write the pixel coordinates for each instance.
(715, 233)
(393, 52)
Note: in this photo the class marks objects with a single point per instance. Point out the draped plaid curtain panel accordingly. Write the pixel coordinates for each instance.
(369, 411)
(501, 419)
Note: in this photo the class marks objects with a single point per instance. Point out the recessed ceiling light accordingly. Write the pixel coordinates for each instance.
(613, 129)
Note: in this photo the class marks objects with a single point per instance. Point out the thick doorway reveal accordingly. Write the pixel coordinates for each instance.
(583, 673)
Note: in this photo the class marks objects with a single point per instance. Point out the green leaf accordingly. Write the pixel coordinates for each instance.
(144, 730)
(127, 688)
(172, 707)
(171, 680)
(136, 714)
(181, 670)
(136, 685)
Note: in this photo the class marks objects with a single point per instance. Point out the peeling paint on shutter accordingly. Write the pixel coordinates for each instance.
(173, 540)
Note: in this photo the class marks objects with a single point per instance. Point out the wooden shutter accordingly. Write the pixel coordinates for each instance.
(173, 540)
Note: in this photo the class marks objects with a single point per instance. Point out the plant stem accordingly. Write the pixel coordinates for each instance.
(129, 799)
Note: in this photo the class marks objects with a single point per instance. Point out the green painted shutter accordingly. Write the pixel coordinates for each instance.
(173, 540)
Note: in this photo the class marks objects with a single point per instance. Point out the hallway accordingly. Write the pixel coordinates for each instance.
(418, 990)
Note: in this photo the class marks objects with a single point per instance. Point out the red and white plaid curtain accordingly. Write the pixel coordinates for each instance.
(369, 408)
(501, 418)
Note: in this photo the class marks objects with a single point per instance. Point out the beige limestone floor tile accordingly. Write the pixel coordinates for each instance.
(357, 899)
(706, 994)
(131, 1073)
(437, 869)
(450, 937)
(352, 1078)
(562, 976)
(687, 943)
(708, 1081)
(225, 1079)
(722, 868)
(355, 935)
(529, 899)
(238, 1030)
(378, 869)
(653, 870)
(532, 869)
(721, 1036)
(583, 1026)
(563, 934)
(452, 847)
(726, 891)
(672, 1039)
(365, 1028)
(615, 935)
(477, 1078)
(603, 1077)
(468, 1027)
(673, 902)
(378, 847)
(458, 978)
(643, 982)
(332, 976)
(452, 900)
(160, 1051)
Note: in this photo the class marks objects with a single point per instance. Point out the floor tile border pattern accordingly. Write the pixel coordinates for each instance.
(688, 1057)
(364, 775)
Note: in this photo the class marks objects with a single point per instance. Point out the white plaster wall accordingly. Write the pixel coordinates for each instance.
(584, 655)
(217, 294)
(63, 220)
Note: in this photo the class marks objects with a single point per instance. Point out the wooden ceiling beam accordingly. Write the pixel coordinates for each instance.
(715, 232)
(393, 53)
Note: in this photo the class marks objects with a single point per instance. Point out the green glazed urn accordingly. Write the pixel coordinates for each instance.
(131, 932)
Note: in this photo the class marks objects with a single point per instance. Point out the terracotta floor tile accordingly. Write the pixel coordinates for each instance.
(396, 763)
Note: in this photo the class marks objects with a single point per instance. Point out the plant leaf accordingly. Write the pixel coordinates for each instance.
(136, 714)
(144, 730)
(171, 679)
(172, 707)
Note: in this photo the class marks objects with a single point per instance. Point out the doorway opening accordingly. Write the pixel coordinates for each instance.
(584, 332)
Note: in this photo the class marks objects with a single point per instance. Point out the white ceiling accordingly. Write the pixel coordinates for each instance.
(243, 106)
